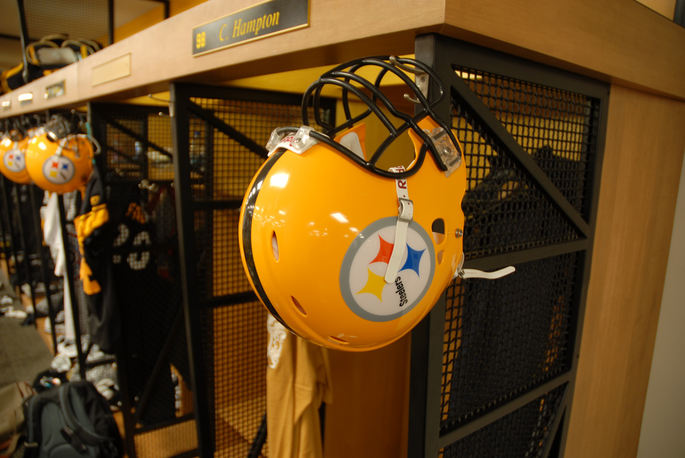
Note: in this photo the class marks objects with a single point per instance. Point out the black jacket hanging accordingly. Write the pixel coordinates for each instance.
(95, 233)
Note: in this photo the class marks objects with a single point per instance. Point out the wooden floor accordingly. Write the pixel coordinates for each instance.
(22, 353)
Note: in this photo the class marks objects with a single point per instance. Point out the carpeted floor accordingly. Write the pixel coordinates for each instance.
(23, 353)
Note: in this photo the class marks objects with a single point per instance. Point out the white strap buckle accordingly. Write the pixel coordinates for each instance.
(406, 210)
(406, 213)
(60, 146)
(475, 273)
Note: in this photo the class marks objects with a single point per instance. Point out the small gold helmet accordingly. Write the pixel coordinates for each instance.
(12, 156)
(58, 160)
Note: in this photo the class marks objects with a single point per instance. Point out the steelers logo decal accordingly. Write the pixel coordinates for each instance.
(362, 274)
(58, 169)
(14, 160)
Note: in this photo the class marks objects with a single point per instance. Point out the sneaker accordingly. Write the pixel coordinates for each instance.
(96, 354)
(16, 314)
(106, 387)
(68, 347)
(61, 363)
(26, 290)
(59, 327)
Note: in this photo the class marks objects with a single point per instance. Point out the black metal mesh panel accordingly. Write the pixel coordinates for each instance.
(19, 222)
(221, 170)
(160, 166)
(127, 152)
(506, 337)
(167, 441)
(124, 154)
(11, 225)
(505, 210)
(531, 148)
(80, 19)
(237, 355)
(233, 331)
(5, 223)
(231, 166)
(205, 254)
(558, 128)
(137, 166)
(228, 272)
(523, 433)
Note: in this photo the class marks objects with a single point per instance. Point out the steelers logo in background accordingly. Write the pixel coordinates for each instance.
(58, 169)
(362, 275)
(14, 160)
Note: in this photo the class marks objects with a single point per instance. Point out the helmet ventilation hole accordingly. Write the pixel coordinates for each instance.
(274, 245)
(298, 307)
(338, 340)
(438, 228)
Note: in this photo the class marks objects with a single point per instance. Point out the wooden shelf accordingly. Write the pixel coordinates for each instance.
(620, 42)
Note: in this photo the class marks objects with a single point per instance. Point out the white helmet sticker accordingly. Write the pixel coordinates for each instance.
(14, 160)
(58, 169)
(362, 273)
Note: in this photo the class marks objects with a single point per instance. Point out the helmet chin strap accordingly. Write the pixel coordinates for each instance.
(404, 217)
(60, 146)
(476, 273)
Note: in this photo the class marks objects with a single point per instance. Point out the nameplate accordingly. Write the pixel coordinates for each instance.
(119, 67)
(55, 90)
(256, 22)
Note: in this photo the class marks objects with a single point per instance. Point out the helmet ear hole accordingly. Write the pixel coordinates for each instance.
(274, 245)
(338, 340)
(438, 228)
(298, 307)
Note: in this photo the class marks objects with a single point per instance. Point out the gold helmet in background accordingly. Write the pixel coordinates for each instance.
(58, 159)
(12, 155)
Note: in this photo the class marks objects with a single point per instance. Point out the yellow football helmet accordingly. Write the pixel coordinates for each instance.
(58, 160)
(12, 156)
(349, 238)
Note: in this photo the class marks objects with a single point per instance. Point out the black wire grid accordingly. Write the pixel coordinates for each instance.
(501, 342)
(506, 355)
(137, 165)
(506, 210)
(224, 132)
(505, 337)
(522, 433)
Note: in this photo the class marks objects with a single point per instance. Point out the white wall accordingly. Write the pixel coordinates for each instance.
(663, 421)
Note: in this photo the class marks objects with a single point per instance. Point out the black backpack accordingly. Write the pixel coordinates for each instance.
(70, 420)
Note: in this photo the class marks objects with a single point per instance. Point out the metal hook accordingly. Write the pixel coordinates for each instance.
(158, 99)
(169, 102)
(412, 99)
(98, 148)
(405, 67)
(421, 78)
(147, 184)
